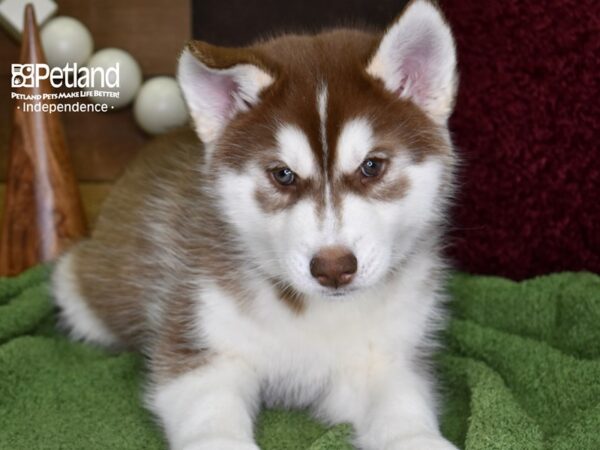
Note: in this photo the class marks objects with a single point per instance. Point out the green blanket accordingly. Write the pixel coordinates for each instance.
(521, 369)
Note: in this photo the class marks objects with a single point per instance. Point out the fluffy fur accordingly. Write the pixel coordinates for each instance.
(204, 261)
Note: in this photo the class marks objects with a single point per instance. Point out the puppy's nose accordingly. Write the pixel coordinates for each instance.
(333, 266)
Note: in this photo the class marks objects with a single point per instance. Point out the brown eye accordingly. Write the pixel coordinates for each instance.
(284, 176)
(371, 167)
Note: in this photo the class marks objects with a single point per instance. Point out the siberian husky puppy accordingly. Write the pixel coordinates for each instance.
(287, 253)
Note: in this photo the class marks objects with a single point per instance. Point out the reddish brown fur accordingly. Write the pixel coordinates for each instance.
(300, 66)
(119, 270)
(290, 297)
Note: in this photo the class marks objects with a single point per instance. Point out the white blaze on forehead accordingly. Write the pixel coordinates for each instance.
(322, 107)
(295, 151)
(329, 222)
(355, 142)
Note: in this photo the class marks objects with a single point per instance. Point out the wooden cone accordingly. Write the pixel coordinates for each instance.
(42, 208)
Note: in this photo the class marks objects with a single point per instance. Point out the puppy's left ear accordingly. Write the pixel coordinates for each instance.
(416, 59)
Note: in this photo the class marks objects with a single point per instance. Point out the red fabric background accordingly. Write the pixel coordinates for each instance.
(527, 125)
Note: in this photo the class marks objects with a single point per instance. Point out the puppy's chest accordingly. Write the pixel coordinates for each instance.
(312, 345)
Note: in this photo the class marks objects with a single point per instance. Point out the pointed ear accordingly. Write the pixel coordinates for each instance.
(416, 59)
(217, 83)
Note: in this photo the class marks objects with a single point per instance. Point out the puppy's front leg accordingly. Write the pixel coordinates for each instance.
(390, 409)
(209, 408)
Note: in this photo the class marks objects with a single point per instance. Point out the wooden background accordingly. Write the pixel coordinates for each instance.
(153, 31)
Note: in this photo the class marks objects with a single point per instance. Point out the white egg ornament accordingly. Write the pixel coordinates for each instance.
(129, 77)
(159, 106)
(66, 40)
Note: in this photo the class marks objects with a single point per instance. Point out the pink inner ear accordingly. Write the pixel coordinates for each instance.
(219, 92)
(415, 65)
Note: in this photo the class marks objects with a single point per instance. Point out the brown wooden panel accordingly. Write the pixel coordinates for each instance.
(102, 143)
(9, 53)
(93, 195)
(153, 31)
(5, 121)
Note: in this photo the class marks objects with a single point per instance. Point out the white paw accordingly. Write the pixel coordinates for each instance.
(421, 442)
(221, 444)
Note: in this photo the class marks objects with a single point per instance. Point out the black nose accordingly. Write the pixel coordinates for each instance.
(333, 266)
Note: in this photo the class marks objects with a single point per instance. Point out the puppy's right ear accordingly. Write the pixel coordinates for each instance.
(218, 83)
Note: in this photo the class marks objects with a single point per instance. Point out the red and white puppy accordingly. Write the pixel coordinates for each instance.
(293, 257)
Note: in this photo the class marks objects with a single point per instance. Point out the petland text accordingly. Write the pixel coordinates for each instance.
(70, 76)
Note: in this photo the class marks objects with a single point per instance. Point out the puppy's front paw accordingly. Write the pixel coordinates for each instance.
(421, 442)
(221, 444)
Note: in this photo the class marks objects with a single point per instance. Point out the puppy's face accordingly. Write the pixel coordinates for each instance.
(329, 154)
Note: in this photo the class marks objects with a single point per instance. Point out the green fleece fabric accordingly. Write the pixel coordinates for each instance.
(521, 370)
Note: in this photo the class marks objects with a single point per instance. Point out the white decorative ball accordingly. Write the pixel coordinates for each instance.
(66, 40)
(159, 106)
(127, 79)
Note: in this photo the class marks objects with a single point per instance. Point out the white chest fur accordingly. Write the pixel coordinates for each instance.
(298, 355)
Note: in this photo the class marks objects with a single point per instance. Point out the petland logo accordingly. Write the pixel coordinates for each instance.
(84, 83)
(69, 76)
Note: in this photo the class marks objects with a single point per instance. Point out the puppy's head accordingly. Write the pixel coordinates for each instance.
(329, 154)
